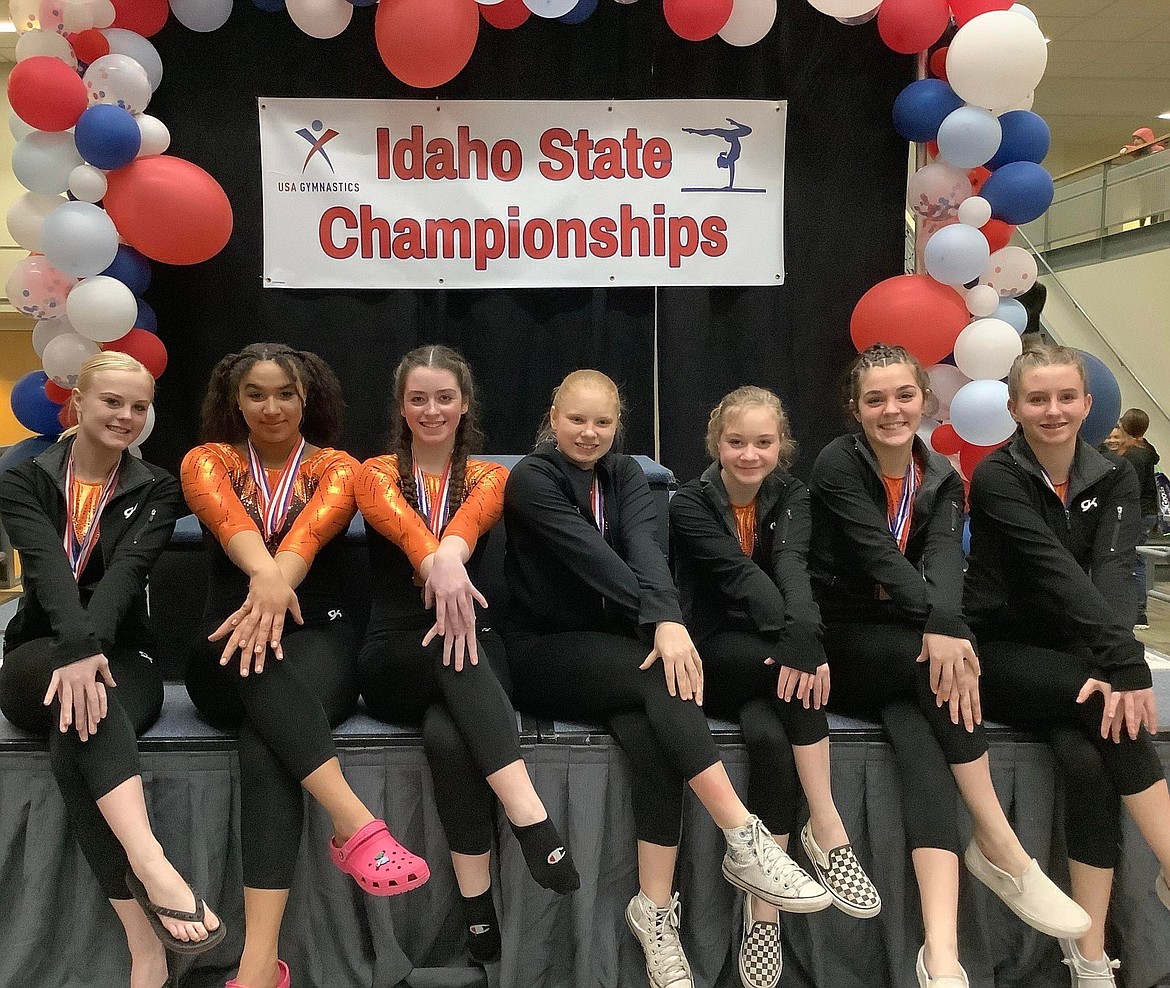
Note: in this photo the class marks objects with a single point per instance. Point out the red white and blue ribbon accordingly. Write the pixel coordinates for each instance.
(1052, 487)
(435, 514)
(78, 553)
(900, 519)
(597, 504)
(274, 502)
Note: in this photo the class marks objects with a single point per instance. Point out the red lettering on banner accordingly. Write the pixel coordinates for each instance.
(561, 165)
(605, 158)
(370, 225)
(325, 233)
(628, 223)
(715, 232)
(408, 241)
(656, 158)
(485, 251)
(573, 229)
(382, 143)
(455, 236)
(547, 240)
(515, 160)
(468, 157)
(632, 144)
(409, 148)
(603, 230)
(514, 231)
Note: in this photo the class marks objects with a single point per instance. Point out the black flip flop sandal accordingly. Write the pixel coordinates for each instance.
(173, 943)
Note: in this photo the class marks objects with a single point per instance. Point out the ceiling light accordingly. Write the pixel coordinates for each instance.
(7, 27)
(1164, 116)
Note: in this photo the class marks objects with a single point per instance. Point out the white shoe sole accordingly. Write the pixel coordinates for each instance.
(975, 867)
(847, 907)
(789, 905)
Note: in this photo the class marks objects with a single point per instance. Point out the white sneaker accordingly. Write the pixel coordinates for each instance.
(1088, 974)
(657, 932)
(1034, 897)
(761, 867)
(760, 959)
(942, 981)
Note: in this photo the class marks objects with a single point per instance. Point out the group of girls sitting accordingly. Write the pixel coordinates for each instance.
(845, 594)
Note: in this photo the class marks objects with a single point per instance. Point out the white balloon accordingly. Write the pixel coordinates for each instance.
(49, 43)
(843, 8)
(64, 356)
(25, 15)
(77, 15)
(119, 80)
(148, 428)
(1011, 271)
(102, 309)
(26, 217)
(861, 19)
(320, 18)
(945, 382)
(155, 136)
(979, 413)
(17, 127)
(986, 348)
(202, 15)
(88, 184)
(750, 20)
(935, 192)
(123, 42)
(79, 239)
(1019, 8)
(42, 161)
(982, 300)
(926, 429)
(975, 211)
(492, 3)
(47, 329)
(996, 59)
(550, 8)
(1020, 104)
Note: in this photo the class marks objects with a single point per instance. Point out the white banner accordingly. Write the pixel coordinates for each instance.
(474, 193)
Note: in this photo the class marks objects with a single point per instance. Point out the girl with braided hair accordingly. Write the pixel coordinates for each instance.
(272, 495)
(427, 506)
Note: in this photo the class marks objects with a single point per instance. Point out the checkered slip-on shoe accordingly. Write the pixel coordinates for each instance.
(842, 875)
(760, 960)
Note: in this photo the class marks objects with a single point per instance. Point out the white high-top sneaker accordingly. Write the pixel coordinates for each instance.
(657, 931)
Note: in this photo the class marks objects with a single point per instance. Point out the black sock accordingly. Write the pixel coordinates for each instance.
(548, 859)
(483, 928)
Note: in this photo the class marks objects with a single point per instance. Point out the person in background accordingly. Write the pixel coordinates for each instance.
(1142, 144)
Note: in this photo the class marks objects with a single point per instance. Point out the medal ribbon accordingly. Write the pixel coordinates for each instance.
(597, 504)
(275, 501)
(1052, 487)
(435, 514)
(900, 519)
(78, 553)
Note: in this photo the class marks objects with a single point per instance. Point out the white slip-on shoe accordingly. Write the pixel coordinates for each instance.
(761, 867)
(657, 931)
(1088, 974)
(945, 981)
(841, 874)
(760, 959)
(1034, 897)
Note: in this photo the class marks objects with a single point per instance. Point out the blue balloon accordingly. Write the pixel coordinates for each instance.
(1106, 394)
(269, 6)
(131, 268)
(1019, 192)
(363, 3)
(107, 136)
(956, 254)
(146, 319)
(1026, 137)
(1013, 313)
(921, 108)
(966, 536)
(579, 13)
(969, 136)
(26, 449)
(32, 407)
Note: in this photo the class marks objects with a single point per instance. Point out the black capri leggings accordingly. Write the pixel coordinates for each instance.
(587, 674)
(87, 771)
(1032, 686)
(737, 685)
(285, 718)
(468, 724)
(876, 676)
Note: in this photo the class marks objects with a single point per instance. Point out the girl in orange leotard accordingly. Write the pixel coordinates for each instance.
(427, 507)
(272, 497)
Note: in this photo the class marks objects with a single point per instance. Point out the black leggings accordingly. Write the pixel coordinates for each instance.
(86, 771)
(585, 674)
(285, 718)
(737, 685)
(468, 724)
(876, 676)
(1030, 686)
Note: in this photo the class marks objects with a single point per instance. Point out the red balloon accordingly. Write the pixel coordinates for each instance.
(910, 310)
(964, 10)
(169, 209)
(697, 20)
(144, 347)
(55, 393)
(970, 455)
(945, 440)
(426, 43)
(938, 63)
(46, 93)
(910, 26)
(505, 15)
(932, 150)
(998, 233)
(146, 17)
(978, 176)
(67, 416)
(89, 45)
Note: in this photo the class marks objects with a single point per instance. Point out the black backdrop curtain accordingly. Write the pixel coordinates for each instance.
(845, 180)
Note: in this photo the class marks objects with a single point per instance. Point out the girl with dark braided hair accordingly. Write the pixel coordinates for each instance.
(272, 495)
(427, 506)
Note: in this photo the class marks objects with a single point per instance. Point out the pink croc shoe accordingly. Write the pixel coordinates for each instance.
(283, 978)
(378, 863)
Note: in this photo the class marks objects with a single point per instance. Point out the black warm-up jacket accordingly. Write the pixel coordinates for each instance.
(563, 575)
(767, 592)
(1041, 572)
(852, 551)
(109, 604)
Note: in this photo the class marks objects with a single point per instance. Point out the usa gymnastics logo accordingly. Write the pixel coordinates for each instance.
(317, 138)
(733, 135)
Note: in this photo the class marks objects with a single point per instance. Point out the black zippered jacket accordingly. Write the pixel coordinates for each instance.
(767, 592)
(852, 551)
(1036, 566)
(109, 604)
(563, 574)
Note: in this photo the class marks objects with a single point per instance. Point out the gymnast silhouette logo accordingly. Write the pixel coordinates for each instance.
(733, 135)
(317, 143)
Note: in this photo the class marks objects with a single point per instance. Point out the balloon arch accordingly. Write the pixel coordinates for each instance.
(104, 199)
